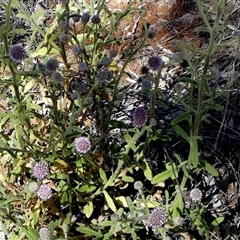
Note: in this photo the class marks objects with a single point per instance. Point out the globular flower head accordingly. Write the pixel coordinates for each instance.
(44, 192)
(138, 185)
(76, 50)
(178, 221)
(82, 144)
(106, 61)
(113, 53)
(155, 63)
(85, 18)
(82, 66)
(146, 83)
(157, 218)
(44, 233)
(139, 117)
(63, 37)
(64, 25)
(95, 19)
(57, 77)
(102, 76)
(40, 170)
(17, 53)
(196, 195)
(151, 31)
(178, 57)
(32, 186)
(51, 64)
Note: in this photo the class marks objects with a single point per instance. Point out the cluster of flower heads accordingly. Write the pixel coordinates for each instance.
(40, 172)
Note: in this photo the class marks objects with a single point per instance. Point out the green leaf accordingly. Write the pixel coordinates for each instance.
(216, 222)
(110, 201)
(127, 138)
(88, 209)
(18, 31)
(88, 231)
(206, 87)
(30, 232)
(21, 15)
(188, 80)
(177, 206)
(214, 106)
(161, 177)
(127, 179)
(17, 170)
(130, 205)
(29, 85)
(209, 168)
(181, 117)
(193, 155)
(163, 137)
(118, 124)
(180, 132)
(41, 52)
(147, 170)
(202, 29)
(103, 175)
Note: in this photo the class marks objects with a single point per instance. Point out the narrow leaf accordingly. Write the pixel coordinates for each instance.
(188, 80)
(103, 175)
(180, 132)
(161, 177)
(209, 168)
(88, 209)
(216, 222)
(110, 201)
(180, 118)
(177, 206)
(88, 231)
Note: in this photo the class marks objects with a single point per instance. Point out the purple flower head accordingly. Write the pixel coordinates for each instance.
(17, 53)
(82, 66)
(64, 25)
(106, 61)
(157, 218)
(82, 144)
(44, 233)
(196, 195)
(40, 170)
(155, 63)
(95, 19)
(76, 50)
(63, 37)
(102, 76)
(44, 192)
(139, 117)
(57, 77)
(51, 64)
(85, 18)
(113, 53)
